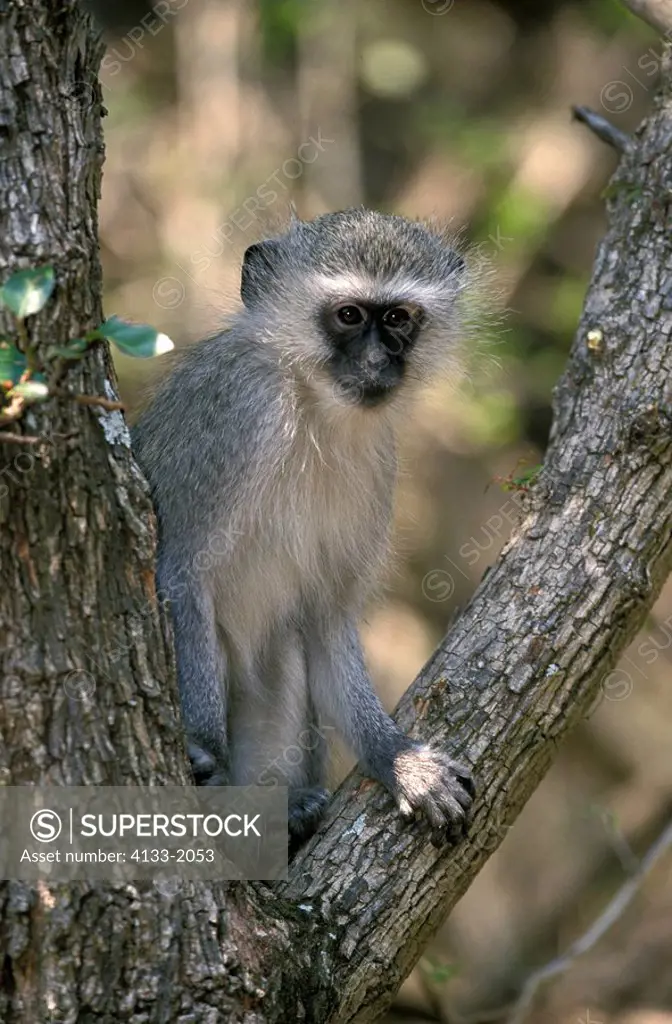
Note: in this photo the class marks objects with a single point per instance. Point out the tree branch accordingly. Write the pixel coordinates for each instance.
(604, 129)
(7, 437)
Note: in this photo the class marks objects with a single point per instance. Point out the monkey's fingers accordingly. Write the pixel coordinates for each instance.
(440, 789)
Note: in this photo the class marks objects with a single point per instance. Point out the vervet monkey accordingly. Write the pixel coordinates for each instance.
(270, 455)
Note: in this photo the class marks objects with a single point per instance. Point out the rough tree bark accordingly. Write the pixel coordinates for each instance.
(88, 685)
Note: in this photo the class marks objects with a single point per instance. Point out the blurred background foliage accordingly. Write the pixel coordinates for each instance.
(221, 114)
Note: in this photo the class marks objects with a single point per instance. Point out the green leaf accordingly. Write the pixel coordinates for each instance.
(32, 391)
(139, 340)
(12, 363)
(528, 476)
(438, 973)
(27, 291)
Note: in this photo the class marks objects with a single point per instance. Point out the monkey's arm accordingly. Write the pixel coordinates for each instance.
(201, 666)
(419, 777)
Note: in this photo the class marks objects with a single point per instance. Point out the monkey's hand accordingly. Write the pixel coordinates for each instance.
(442, 790)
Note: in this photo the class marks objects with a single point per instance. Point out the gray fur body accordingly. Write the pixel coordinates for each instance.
(273, 483)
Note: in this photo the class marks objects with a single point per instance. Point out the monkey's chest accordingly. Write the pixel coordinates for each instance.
(307, 547)
(322, 543)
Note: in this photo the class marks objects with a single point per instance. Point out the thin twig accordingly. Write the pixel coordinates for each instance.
(605, 130)
(597, 929)
(15, 409)
(6, 437)
(100, 400)
(104, 403)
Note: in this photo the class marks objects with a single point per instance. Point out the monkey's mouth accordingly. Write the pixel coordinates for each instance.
(372, 394)
(365, 390)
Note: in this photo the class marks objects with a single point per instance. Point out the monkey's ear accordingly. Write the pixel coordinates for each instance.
(259, 270)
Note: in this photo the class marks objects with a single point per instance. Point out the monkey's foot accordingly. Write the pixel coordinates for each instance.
(442, 790)
(205, 768)
(306, 810)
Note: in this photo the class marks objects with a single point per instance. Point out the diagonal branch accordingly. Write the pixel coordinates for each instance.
(526, 661)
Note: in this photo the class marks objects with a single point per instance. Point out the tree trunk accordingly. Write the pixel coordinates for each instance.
(88, 681)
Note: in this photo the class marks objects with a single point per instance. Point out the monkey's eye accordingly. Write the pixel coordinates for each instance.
(350, 316)
(398, 318)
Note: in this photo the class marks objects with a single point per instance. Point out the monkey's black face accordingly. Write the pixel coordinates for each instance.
(369, 345)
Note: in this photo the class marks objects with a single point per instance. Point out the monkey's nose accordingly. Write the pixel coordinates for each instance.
(376, 358)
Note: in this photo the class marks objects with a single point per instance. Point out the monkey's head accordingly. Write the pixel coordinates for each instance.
(360, 304)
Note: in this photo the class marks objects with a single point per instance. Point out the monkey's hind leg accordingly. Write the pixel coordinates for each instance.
(274, 736)
(307, 803)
